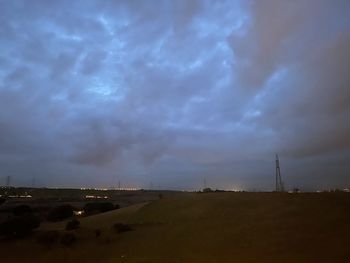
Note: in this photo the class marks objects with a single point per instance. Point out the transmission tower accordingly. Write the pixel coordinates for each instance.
(279, 183)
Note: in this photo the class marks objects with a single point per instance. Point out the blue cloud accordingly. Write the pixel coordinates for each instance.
(171, 91)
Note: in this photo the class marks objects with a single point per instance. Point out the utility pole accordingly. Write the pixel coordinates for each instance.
(279, 183)
(204, 182)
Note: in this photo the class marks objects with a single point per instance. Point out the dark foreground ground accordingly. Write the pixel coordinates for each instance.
(210, 227)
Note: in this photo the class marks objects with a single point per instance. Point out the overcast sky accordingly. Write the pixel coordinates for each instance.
(171, 92)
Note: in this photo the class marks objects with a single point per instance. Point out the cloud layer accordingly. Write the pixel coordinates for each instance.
(170, 92)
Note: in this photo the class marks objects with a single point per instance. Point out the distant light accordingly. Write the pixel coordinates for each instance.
(20, 196)
(117, 189)
(127, 189)
(96, 197)
(79, 212)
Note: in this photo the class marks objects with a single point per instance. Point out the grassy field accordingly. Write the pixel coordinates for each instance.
(211, 227)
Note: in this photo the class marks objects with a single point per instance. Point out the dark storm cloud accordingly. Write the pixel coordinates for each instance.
(301, 62)
(174, 91)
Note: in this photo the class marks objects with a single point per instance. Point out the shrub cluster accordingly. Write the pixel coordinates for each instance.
(19, 225)
(120, 227)
(97, 232)
(2, 200)
(68, 239)
(73, 224)
(48, 238)
(21, 210)
(99, 207)
(60, 212)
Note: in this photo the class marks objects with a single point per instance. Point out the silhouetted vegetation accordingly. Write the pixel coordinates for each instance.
(120, 228)
(97, 232)
(60, 212)
(68, 239)
(21, 210)
(72, 224)
(296, 190)
(210, 190)
(99, 207)
(19, 225)
(2, 200)
(48, 238)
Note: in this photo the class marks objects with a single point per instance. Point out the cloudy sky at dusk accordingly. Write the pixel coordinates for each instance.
(171, 92)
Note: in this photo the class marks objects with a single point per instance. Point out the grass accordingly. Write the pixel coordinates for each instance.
(212, 227)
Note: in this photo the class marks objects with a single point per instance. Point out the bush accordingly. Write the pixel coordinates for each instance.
(207, 190)
(60, 212)
(2, 200)
(48, 238)
(120, 228)
(68, 239)
(97, 232)
(73, 224)
(19, 226)
(101, 207)
(21, 210)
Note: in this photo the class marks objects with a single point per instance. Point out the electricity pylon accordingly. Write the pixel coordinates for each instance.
(279, 183)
